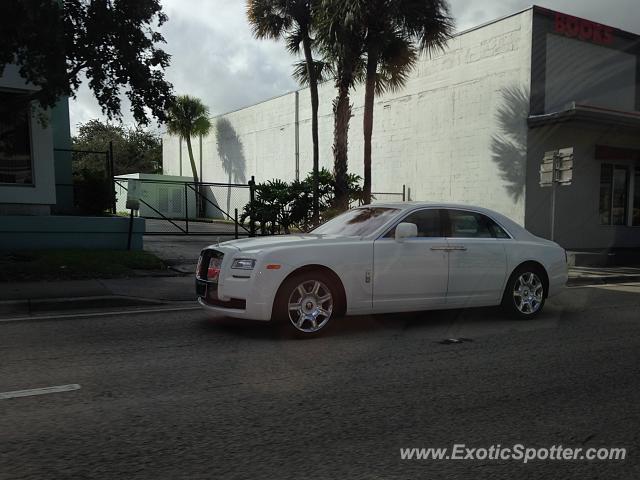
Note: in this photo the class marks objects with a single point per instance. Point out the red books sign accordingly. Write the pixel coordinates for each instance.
(574, 27)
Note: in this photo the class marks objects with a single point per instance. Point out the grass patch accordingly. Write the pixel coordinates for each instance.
(75, 264)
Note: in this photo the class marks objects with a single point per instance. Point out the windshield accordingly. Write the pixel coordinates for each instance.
(358, 222)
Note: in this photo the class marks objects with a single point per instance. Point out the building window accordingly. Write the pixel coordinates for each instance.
(636, 197)
(15, 139)
(614, 186)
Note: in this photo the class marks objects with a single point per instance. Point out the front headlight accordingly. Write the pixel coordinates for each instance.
(243, 264)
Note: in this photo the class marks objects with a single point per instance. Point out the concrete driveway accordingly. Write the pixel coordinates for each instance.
(180, 252)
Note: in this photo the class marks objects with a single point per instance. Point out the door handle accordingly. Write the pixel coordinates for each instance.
(446, 248)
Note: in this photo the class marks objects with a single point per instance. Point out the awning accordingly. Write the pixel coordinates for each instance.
(588, 114)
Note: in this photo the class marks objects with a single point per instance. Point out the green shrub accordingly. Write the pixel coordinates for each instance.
(279, 206)
(91, 192)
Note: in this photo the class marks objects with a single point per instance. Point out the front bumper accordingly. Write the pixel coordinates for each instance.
(235, 308)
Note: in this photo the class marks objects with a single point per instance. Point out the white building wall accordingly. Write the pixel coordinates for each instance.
(456, 132)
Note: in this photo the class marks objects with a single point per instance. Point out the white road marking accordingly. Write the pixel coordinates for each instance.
(101, 314)
(39, 391)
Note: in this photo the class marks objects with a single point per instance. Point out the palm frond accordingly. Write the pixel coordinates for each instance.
(429, 23)
(323, 71)
(266, 19)
(294, 39)
(187, 117)
(397, 60)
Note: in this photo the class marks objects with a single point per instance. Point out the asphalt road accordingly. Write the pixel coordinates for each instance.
(175, 395)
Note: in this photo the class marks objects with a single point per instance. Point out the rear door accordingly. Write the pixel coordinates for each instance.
(477, 259)
(412, 274)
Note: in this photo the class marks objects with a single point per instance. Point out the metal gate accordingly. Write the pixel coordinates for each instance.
(187, 208)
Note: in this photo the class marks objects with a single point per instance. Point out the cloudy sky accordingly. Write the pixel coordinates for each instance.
(215, 58)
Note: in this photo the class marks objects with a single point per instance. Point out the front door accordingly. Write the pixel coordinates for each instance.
(412, 275)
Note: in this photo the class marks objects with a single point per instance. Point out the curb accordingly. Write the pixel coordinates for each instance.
(606, 280)
(182, 270)
(34, 306)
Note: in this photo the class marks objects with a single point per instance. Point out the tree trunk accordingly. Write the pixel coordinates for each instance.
(194, 171)
(369, 102)
(313, 89)
(341, 116)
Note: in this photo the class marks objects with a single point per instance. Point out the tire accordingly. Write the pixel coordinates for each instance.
(317, 298)
(526, 292)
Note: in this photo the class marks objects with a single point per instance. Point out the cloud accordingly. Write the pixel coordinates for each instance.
(216, 58)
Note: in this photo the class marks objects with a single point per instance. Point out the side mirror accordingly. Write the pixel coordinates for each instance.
(406, 230)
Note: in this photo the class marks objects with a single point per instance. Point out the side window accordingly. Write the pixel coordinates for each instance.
(428, 222)
(473, 225)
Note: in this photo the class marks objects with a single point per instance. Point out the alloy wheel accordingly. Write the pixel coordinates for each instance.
(310, 306)
(528, 293)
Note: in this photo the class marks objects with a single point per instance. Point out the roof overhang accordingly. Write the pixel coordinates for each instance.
(587, 114)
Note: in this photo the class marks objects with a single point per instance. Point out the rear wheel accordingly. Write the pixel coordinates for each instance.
(526, 292)
(306, 303)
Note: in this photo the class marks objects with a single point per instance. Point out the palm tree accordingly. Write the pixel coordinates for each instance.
(293, 21)
(188, 117)
(392, 27)
(341, 42)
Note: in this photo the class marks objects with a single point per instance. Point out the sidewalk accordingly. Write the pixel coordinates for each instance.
(602, 275)
(27, 298)
(159, 289)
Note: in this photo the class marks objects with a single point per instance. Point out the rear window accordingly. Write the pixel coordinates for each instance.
(464, 224)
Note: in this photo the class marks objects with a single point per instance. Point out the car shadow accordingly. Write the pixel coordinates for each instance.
(241, 328)
(440, 322)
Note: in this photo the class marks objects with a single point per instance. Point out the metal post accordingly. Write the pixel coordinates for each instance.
(161, 166)
(186, 208)
(235, 223)
(130, 230)
(252, 197)
(112, 180)
(554, 182)
(553, 211)
(297, 134)
(404, 193)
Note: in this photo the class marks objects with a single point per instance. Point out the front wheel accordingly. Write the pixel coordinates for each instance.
(306, 303)
(525, 293)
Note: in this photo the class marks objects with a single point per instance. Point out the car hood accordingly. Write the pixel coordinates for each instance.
(261, 243)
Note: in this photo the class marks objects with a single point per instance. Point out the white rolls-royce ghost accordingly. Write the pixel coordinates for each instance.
(382, 258)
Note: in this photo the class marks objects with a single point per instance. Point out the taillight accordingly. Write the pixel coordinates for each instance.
(213, 270)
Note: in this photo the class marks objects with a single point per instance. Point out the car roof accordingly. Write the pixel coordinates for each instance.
(418, 204)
